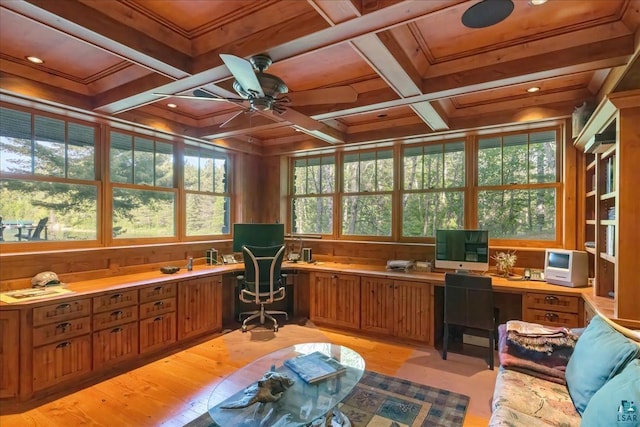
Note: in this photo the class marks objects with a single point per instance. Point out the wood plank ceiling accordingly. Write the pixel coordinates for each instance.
(416, 68)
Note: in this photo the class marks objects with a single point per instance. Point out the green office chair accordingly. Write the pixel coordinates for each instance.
(262, 282)
(468, 302)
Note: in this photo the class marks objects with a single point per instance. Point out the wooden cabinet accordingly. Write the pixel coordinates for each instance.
(9, 353)
(377, 305)
(612, 205)
(411, 311)
(335, 299)
(115, 327)
(199, 306)
(396, 307)
(61, 342)
(157, 317)
(553, 310)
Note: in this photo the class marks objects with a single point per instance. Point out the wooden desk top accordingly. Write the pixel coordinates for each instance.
(106, 284)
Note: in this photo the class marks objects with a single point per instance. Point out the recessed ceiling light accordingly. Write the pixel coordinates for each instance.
(171, 105)
(34, 59)
(537, 2)
(533, 89)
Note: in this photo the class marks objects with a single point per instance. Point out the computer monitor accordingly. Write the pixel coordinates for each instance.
(257, 235)
(566, 267)
(462, 250)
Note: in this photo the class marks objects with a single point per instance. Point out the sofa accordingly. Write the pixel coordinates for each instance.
(560, 377)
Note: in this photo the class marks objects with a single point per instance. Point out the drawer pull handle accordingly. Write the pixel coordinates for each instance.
(551, 299)
(157, 288)
(159, 304)
(63, 344)
(158, 319)
(116, 296)
(64, 326)
(116, 330)
(64, 306)
(550, 316)
(117, 314)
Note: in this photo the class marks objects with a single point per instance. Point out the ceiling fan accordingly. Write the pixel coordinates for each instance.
(268, 95)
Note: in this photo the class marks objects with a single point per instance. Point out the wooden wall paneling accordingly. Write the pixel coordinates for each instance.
(570, 196)
(9, 353)
(17, 269)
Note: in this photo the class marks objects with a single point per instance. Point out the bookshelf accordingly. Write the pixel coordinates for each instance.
(611, 201)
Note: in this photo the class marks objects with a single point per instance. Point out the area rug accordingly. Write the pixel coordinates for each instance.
(379, 400)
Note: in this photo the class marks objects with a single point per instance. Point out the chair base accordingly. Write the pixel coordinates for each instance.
(262, 314)
(492, 343)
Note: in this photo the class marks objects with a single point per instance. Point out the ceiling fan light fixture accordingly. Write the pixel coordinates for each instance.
(487, 13)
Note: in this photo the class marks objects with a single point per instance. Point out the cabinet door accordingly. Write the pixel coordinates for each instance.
(9, 353)
(199, 306)
(115, 344)
(61, 361)
(335, 299)
(376, 313)
(411, 310)
(157, 332)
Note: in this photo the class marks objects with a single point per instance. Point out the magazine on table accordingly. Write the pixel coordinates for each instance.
(314, 367)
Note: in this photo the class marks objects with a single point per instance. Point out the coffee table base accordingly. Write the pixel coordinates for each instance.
(335, 418)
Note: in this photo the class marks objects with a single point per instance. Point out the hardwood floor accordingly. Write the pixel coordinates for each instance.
(174, 390)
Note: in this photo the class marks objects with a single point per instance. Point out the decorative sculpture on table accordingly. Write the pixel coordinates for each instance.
(269, 388)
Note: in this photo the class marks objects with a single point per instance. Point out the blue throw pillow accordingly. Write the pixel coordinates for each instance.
(601, 352)
(617, 403)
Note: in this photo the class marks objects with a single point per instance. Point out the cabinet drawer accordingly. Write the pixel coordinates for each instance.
(154, 293)
(157, 332)
(115, 344)
(115, 317)
(61, 330)
(114, 300)
(61, 311)
(154, 308)
(552, 318)
(61, 361)
(567, 304)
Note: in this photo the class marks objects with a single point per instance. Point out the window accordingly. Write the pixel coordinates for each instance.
(206, 192)
(47, 166)
(433, 189)
(368, 180)
(144, 200)
(517, 185)
(313, 191)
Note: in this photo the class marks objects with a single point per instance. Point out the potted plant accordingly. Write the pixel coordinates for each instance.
(505, 261)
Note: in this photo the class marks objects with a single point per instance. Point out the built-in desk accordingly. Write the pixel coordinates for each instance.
(142, 316)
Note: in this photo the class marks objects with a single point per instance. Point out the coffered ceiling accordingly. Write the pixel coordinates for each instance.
(416, 69)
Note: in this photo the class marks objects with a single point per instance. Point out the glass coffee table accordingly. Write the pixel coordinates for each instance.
(301, 404)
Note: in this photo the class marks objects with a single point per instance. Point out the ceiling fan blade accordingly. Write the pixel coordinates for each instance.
(201, 95)
(299, 119)
(330, 95)
(243, 72)
(237, 119)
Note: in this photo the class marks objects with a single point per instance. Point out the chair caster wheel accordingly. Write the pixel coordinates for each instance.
(244, 329)
(275, 329)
